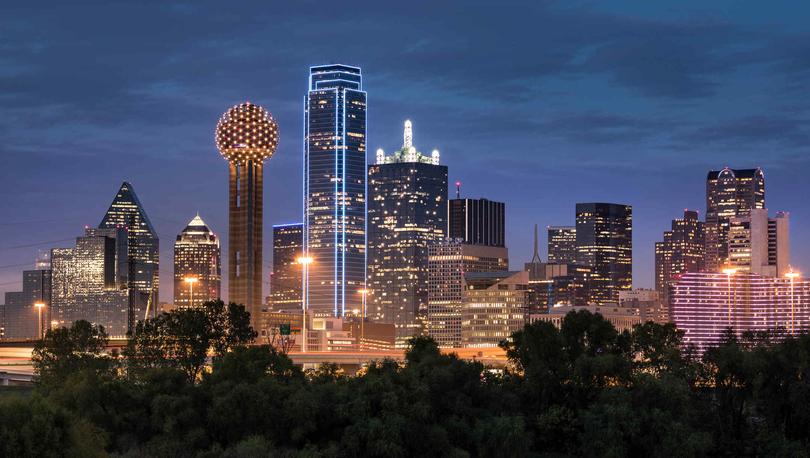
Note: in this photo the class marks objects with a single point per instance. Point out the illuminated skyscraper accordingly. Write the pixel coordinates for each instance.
(197, 268)
(681, 251)
(477, 221)
(286, 281)
(335, 188)
(407, 212)
(605, 244)
(448, 263)
(143, 253)
(562, 245)
(246, 136)
(89, 282)
(495, 305)
(704, 304)
(729, 193)
(759, 244)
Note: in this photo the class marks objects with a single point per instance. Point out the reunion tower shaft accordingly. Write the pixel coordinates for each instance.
(246, 136)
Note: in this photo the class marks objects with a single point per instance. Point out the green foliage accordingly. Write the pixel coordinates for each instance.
(182, 339)
(581, 390)
(65, 351)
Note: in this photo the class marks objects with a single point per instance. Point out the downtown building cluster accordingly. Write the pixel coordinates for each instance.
(382, 253)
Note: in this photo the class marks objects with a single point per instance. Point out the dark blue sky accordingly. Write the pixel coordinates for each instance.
(539, 104)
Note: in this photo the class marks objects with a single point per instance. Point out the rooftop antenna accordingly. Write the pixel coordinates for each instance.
(536, 256)
(458, 190)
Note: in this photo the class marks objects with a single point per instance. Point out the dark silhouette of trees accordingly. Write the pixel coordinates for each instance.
(190, 385)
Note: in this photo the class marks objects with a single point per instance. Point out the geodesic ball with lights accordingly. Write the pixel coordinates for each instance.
(247, 132)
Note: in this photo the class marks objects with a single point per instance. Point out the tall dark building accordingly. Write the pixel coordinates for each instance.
(729, 193)
(246, 136)
(562, 244)
(143, 253)
(21, 315)
(407, 212)
(197, 265)
(335, 188)
(605, 244)
(477, 221)
(286, 282)
(681, 251)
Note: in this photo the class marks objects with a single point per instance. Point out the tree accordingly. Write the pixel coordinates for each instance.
(182, 339)
(65, 351)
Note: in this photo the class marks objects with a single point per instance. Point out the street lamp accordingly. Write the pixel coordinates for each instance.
(305, 261)
(191, 281)
(39, 306)
(364, 292)
(792, 276)
(729, 271)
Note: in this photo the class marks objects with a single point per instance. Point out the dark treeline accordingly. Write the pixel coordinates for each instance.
(582, 390)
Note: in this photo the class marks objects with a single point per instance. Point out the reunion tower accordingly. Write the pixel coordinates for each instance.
(246, 135)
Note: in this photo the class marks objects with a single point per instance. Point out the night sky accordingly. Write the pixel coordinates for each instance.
(538, 104)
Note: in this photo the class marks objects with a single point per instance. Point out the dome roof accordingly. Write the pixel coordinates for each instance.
(247, 132)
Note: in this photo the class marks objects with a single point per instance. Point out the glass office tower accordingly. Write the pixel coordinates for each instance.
(335, 189)
(605, 244)
(197, 265)
(285, 283)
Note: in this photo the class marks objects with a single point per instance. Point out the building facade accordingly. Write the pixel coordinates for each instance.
(21, 317)
(197, 265)
(705, 304)
(729, 193)
(759, 244)
(448, 263)
(477, 221)
(605, 245)
(493, 308)
(681, 251)
(143, 245)
(407, 212)
(562, 244)
(335, 188)
(246, 135)
(90, 282)
(286, 282)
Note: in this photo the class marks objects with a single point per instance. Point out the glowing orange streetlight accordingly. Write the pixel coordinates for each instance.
(305, 261)
(792, 276)
(191, 281)
(39, 306)
(729, 271)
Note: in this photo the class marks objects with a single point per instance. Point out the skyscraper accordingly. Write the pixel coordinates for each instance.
(286, 281)
(759, 244)
(681, 251)
(407, 211)
(246, 135)
(197, 266)
(21, 317)
(705, 304)
(90, 282)
(477, 221)
(335, 188)
(495, 305)
(562, 244)
(605, 244)
(448, 263)
(143, 253)
(729, 193)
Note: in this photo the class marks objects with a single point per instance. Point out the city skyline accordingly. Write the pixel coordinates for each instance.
(81, 188)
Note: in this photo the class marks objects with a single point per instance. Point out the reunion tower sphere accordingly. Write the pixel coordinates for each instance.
(247, 132)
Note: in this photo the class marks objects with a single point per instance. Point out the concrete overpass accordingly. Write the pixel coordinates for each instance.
(15, 358)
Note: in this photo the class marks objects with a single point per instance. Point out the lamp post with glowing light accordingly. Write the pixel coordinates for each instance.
(364, 292)
(191, 281)
(792, 276)
(729, 271)
(305, 261)
(39, 306)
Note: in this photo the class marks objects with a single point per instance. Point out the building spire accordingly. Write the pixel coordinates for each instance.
(536, 256)
(407, 135)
